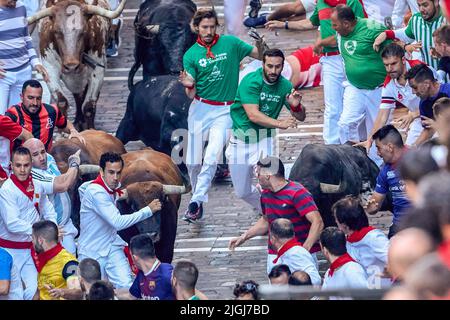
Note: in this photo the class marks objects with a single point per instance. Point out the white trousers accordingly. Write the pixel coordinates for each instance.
(115, 267)
(27, 270)
(360, 108)
(242, 158)
(234, 11)
(11, 87)
(333, 77)
(205, 123)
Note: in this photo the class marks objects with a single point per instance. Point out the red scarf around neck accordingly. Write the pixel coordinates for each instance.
(3, 175)
(359, 235)
(27, 186)
(208, 47)
(288, 245)
(99, 180)
(339, 262)
(41, 259)
(444, 253)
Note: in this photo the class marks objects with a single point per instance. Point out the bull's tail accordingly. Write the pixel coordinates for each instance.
(133, 71)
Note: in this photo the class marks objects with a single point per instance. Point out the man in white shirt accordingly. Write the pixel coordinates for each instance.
(396, 89)
(45, 169)
(290, 252)
(23, 201)
(100, 220)
(344, 271)
(367, 245)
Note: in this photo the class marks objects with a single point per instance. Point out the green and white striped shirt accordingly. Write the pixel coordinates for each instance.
(421, 30)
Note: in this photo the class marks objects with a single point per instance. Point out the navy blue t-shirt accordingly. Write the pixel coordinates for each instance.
(388, 181)
(154, 286)
(426, 106)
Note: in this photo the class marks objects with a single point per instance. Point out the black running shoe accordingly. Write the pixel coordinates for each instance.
(194, 212)
(255, 6)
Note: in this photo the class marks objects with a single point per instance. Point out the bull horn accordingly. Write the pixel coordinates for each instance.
(111, 14)
(153, 28)
(88, 169)
(40, 15)
(171, 189)
(330, 188)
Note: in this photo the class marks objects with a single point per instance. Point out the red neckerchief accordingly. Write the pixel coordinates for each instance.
(339, 262)
(99, 180)
(133, 267)
(359, 235)
(42, 258)
(3, 174)
(208, 47)
(27, 186)
(444, 253)
(290, 244)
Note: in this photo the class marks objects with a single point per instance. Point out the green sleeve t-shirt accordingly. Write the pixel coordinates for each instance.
(217, 79)
(269, 97)
(322, 14)
(363, 65)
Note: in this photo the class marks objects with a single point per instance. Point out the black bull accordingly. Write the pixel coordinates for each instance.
(331, 172)
(162, 36)
(155, 108)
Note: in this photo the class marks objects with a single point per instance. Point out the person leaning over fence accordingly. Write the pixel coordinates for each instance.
(344, 271)
(367, 245)
(291, 252)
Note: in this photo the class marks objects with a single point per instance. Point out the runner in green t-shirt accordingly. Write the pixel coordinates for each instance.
(365, 73)
(211, 74)
(333, 74)
(260, 97)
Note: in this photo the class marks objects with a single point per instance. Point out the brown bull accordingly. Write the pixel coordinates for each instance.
(149, 175)
(72, 44)
(97, 143)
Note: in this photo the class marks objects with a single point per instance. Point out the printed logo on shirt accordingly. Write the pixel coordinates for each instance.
(202, 62)
(400, 97)
(390, 174)
(262, 96)
(350, 46)
(152, 285)
(49, 124)
(264, 109)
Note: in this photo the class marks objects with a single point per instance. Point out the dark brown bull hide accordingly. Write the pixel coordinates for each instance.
(144, 174)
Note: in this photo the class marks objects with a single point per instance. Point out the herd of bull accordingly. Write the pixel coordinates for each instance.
(73, 37)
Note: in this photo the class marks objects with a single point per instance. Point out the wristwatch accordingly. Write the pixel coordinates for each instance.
(286, 26)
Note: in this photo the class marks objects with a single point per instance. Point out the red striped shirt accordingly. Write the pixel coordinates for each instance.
(41, 124)
(293, 202)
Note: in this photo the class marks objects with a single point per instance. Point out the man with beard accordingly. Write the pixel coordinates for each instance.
(56, 267)
(23, 201)
(40, 118)
(211, 77)
(420, 28)
(260, 97)
(396, 89)
(424, 84)
(18, 57)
